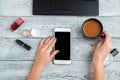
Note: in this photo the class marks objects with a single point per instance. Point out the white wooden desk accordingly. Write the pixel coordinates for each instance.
(16, 62)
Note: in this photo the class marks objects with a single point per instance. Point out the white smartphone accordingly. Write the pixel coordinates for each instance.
(63, 44)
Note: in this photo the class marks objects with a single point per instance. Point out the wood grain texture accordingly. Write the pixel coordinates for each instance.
(19, 70)
(81, 49)
(16, 62)
(46, 25)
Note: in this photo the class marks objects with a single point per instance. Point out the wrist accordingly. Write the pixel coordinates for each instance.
(38, 66)
(98, 61)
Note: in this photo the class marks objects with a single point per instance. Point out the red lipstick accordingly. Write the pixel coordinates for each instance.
(16, 24)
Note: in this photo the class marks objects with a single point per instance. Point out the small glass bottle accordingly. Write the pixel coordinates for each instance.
(110, 57)
(16, 24)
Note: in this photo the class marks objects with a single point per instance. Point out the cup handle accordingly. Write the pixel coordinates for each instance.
(102, 35)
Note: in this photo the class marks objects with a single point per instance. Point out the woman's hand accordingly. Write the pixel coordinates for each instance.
(44, 53)
(43, 56)
(103, 48)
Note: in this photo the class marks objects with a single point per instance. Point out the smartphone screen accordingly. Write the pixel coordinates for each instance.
(63, 44)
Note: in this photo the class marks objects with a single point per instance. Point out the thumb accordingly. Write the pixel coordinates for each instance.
(108, 37)
(100, 43)
(54, 53)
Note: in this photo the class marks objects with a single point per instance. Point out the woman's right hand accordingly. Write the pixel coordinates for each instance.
(103, 48)
(45, 53)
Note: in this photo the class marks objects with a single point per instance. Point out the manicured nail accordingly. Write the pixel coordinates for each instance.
(48, 37)
(105, 31)
(42, 39)
(53, 37)
(58, 51)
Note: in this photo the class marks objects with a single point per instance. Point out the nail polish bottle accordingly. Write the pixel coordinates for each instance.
(16, 24)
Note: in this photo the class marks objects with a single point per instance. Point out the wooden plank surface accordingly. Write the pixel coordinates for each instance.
(19, 70)
(46, 25)
(81, 49)
(16, 59)
(16, 62)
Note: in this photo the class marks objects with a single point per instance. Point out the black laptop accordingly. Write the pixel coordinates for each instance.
(66, 7)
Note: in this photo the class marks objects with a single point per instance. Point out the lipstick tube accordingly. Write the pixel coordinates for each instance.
(21, 43)
(16, 24)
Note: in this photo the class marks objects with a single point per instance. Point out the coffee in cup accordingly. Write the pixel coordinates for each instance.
(92, 28)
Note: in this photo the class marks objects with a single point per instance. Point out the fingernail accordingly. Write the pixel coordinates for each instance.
(53, 36)
(105, 31)
(58, 51)
(48, 37)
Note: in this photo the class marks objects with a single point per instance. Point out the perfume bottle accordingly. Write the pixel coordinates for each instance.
(16, 24)
(108, 61)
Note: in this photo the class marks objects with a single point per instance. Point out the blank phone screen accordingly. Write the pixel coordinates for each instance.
(62, 44)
